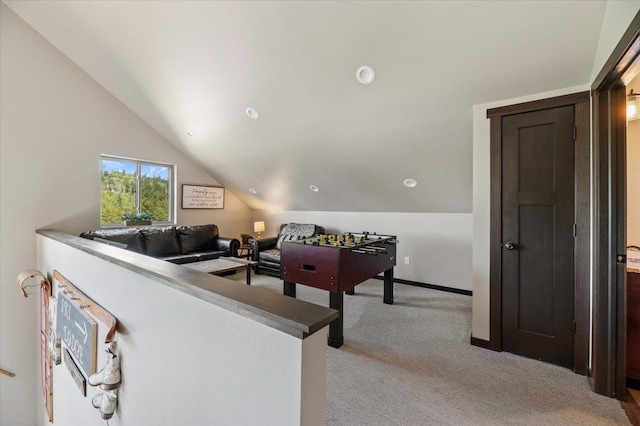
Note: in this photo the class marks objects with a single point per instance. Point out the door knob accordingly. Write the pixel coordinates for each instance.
(509, 245)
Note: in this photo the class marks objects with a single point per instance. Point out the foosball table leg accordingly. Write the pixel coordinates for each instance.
(350, 291)
(289, 289)
(388, 287)
(336, 338)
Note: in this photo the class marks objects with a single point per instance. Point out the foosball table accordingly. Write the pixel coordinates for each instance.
(337, 263)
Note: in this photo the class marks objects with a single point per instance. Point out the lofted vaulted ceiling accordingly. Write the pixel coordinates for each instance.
(198, 65)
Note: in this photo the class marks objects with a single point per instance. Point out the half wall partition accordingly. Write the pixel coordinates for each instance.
(194, 348)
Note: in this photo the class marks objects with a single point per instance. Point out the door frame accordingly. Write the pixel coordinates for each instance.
(609, 147)
(580, 101)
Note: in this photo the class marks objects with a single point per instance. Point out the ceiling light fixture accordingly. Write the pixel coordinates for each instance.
(253, 191)
(191, 134)
(314, 188)
(252, 113)
(410, 183)
(633, 106)
(365, 74)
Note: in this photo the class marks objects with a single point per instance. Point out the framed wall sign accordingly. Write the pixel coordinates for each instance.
(78, 331)
(202, 197)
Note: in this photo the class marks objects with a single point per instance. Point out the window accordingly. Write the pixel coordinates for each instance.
(135, 187)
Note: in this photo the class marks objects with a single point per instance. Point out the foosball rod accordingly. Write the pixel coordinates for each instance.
(363, 251)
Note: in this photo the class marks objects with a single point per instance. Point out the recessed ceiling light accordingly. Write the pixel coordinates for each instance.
(365, 74)
(314, 188)
(191, 134)
(252, 113)
(253, 191)
(410, 183)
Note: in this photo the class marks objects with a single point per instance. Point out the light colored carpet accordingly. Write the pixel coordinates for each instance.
(411, 363)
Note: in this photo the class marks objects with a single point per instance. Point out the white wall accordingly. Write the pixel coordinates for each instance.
(439, 244)
(185, 361)
(55, 123)
(481, 207)
(617, 17)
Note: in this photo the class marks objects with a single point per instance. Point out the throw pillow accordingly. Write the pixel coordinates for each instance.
(284, 238)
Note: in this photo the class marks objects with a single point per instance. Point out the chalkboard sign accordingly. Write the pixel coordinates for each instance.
(79, 333)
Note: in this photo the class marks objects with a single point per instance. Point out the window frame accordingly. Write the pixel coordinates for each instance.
(139, 163)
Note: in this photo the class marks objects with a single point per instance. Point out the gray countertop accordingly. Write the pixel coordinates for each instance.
(289, 315)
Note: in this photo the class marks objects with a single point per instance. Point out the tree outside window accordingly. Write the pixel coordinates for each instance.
(135, 187)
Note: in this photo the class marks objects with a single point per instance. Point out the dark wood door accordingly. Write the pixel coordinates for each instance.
(538, 234)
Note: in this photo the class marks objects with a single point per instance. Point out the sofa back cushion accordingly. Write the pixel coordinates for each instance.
(160, 240)
(295, 231)
(130, 237)
(197, 238)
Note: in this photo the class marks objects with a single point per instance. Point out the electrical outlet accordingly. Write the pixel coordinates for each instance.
(407, 260)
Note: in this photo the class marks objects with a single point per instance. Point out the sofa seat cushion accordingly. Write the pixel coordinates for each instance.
(271, 255)
(272, 266)
(196, 238)
(131, 238)
(160, 241)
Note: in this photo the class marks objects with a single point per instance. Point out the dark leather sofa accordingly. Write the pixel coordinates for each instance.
(177, 244)
(266, 251)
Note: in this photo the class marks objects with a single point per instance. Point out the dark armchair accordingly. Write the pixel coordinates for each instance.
(266, 251)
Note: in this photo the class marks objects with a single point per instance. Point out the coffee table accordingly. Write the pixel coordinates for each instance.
(223, 264)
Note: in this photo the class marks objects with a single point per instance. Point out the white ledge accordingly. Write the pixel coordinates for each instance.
(294, 317)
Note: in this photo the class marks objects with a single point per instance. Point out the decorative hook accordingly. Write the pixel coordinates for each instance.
(31, 273)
